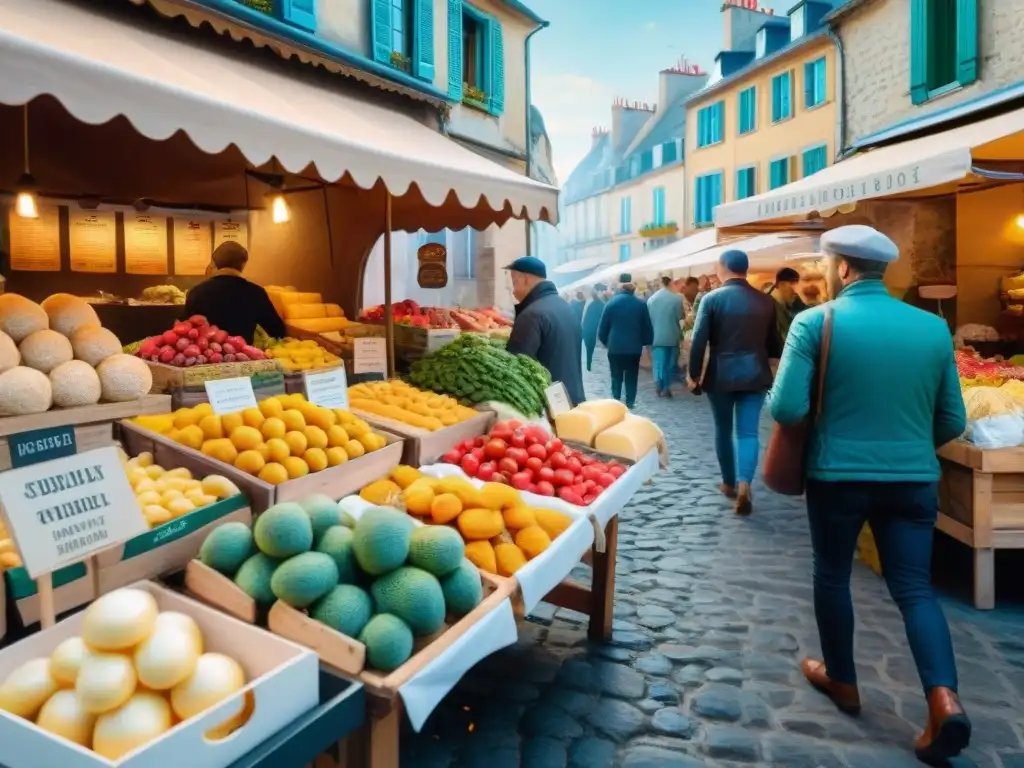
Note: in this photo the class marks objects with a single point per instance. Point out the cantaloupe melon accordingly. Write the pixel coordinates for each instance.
(45, 350)
(20, 317)
(93, 344)
(74, 384)
(24, 391)
(9, 354)
(124, 378)
(68, 313)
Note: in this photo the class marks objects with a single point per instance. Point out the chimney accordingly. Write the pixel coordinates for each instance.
(628, 117)
(740, 20)
(596, 135)
(680, 81)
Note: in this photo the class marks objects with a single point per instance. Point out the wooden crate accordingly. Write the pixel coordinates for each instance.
(93, 424)
(170, 377)
(981, 504)
(335, 482)
(424, 447)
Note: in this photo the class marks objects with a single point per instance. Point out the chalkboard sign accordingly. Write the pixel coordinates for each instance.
(433, 269)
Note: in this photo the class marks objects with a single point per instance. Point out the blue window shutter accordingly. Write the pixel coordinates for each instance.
(629, 214)
(966, 41)
(380, 30)
(809, 84)
(918, 51)
(787, 95)
(454, 49)
(821, 80)
(496, 83)
(423, 47)
(776, 99)
(300, 13)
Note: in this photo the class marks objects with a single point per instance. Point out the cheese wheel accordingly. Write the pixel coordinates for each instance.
(27, 688)
(66, 660)
(607, 412)
(105, 682)
(65, 716)
(630, 439)
(215, 678)
(166, 657)
(143, 718)
(181, 621)
(119, 620)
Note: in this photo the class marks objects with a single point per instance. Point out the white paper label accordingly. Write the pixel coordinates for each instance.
(370, 356)
(230, 395)
(328, 389)
(62, 511)
(558, 399)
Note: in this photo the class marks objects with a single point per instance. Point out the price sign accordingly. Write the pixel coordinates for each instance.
(328, 389)
(557, 398)
(42, 445)
(61, 512)
(370, 356)
(230, 395)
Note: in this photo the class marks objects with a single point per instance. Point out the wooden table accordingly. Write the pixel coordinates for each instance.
(981, 504)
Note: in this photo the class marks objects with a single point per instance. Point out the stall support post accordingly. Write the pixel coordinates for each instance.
(603, 585)
(389, 320)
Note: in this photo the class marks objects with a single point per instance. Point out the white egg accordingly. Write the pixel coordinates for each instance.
(181, 621)
(66, 660)
(215, 678)
(119, 620)
(105, 681)
(27, 688)
(64, 715)
(144, 717)
(166, 657)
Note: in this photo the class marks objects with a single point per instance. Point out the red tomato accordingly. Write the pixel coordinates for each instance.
(616, 470)
(508, 465)
(554, 444)
(479, 442)
(518, 439)
(499, 478)
(537, 450)
(544, 488)
(586, 461)
(521, 481)
(495, 448)
(453, 456)
(600, 466)
(547, 474)
(579, 489)
(514, 424)
(589, 499)
(558, 461)
(590, 473)
(605, 479)
(574, 465)
(470, 464)
(518, 455)
(534, 464)
(598, 490)
(466, 445)
(502, 431)
(567, 494)
(478, 454)
(563, 477)
(589, 485)
(486, 471)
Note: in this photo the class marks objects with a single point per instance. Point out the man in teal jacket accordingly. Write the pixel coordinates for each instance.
(891, 397)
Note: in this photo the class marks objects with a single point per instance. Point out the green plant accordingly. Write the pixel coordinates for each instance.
(400, 61)
(658, 230)
(473, 94)
(263, 6)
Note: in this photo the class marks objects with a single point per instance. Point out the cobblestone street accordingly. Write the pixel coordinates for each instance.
(713, 612)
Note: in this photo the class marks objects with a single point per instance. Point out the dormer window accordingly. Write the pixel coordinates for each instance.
(761, 43)
(798, 22)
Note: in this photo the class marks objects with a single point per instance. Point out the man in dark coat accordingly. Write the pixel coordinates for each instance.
(592, 320)
(546, 327)
(625, 330)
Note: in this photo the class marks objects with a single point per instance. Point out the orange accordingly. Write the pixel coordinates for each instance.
(250, 462)
(278, 449)
(293, 420)
(231, 422)
(315, 459)
(357, 427)
(321, 417)
(263, 451)
(370, 441)
(271, 407)
(297, 443)
(295, 467)
(252, 417)
(273, 427)
(315, 437)
(212, 427)
(221, 449)
(192, 436)
(273, 473)
(337, 436)
(336, 456)
(185, 417)
(419, 499)
(354, 449)
(246, 438)
(444, 508)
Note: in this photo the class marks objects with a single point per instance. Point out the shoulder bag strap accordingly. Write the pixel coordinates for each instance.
(826, 346)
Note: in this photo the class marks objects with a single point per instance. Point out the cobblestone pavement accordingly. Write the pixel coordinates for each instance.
(713, 613)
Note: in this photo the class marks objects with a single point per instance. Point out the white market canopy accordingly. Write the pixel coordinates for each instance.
(918, 164)
(764, 251)
(99, 67)
(578, 265)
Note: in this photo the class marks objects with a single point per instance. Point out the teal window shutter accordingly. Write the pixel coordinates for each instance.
(423, 47)
(778, 175)
(745, 183)
(496, 58)
(659, 206)
(782, 106)
(380, 30)
(747, 108)
(787, 95)
(454, 49)
(966, 41)
(300, 13)
(918, 51)
(623, 252)
(815, 159)
(809, 84)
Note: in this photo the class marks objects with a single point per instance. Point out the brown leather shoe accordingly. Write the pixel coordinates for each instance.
(948, 731)
(728, 491)
(744, 504)
(846, 697)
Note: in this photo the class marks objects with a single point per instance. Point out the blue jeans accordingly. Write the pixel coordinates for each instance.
(664, 361)
(738, 462)
(902, 518)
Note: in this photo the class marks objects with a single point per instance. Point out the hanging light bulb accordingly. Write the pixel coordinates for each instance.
(1020, 221)
(279, 209)
(25, 205)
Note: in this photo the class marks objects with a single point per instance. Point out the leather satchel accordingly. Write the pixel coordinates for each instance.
(785, 460)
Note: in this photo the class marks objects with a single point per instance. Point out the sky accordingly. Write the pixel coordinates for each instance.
(596, 50)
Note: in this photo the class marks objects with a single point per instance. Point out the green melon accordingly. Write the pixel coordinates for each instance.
(388, 642)
(227, 547)
(323, 513)
(346, 608)
(436, 549)
(337, 542)
(347, 520)
(414, 596)
(283, 531)
(254, 577)
(302, 580)
(462, 589)
(381, 540)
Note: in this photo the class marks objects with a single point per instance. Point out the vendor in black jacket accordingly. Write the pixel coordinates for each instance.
(546, 327)
(229, 301)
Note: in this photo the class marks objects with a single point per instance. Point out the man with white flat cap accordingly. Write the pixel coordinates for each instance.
(891, 397)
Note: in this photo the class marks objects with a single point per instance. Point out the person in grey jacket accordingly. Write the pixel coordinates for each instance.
(737, 322)
(546, 327)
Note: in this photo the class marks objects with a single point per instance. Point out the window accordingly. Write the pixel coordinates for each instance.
(463, 253)
(476, 57)
(402, 34)
(624, 252)
(707, 194)
(747, 109)
(943, 46)
(815, 88)
(472, 52)
(647, 161)
(782, 97)
(671, 151)
(815, 159)
(625, 214)
(798, 22)
(778, 173)
(746, 182)
(659, 206)
(710, 122)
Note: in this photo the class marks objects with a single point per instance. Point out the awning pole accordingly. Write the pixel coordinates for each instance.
(389, 320)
